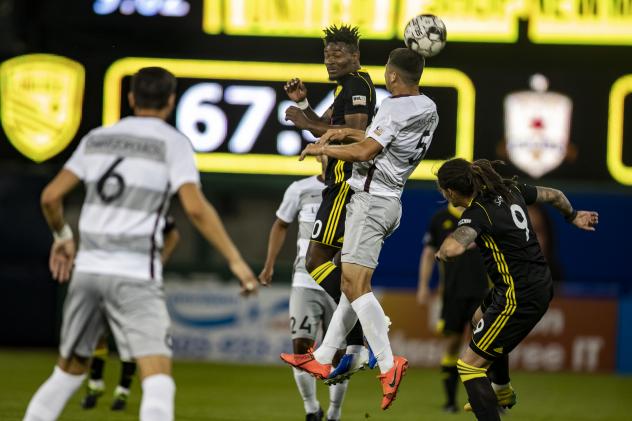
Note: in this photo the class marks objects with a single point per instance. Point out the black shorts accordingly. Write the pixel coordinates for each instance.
(329, 227)
(456, 313)
(506, 321)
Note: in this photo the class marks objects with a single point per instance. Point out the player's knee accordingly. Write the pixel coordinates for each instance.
(469, 371)
(74, 365)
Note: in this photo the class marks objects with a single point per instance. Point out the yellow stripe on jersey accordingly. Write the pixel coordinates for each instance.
(510, 306)
(368, 85)
(340, 171)
(334, 215)
(485, 210)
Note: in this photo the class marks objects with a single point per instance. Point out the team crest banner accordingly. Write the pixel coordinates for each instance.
(537, 128)
(41, 97)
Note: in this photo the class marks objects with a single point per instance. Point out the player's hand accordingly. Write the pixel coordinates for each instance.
(586, 220)
(265, 277)
(312, 149)
(332, 135)
(246, 277)
(423, 294)
(62, 257)
(295, 90)
(297, 117)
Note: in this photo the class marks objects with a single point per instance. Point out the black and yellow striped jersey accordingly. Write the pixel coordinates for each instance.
(512, 254)
(354, 94)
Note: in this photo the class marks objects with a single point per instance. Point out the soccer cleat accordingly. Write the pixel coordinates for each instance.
(307, 363)
(506, 397)
(92, 396)
(315, 416)
(120, 399)
(450, 408)
(349, 365)
(391, 381)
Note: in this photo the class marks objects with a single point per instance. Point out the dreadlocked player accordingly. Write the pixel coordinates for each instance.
(353, 107)
(496, 219)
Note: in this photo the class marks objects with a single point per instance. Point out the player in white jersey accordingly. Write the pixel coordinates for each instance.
(311, 306)
(384, 157)
(130, 171)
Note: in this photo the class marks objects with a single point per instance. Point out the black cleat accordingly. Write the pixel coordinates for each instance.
(315, 416)
(90, 400)
(120, 402)
(450, 408)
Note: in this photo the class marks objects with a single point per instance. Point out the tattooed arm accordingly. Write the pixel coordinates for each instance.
(456, 244)
(586, 220)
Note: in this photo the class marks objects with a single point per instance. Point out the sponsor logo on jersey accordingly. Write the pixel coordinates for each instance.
(358, 100)
(537, 128)
(378, 131)
(498, 200)
(40, 103)
(465, 221)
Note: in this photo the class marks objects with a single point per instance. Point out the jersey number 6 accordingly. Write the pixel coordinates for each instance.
(106, 189)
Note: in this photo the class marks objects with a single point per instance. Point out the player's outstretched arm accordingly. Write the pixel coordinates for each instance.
(276, 239)
(342, 135)
(362, 151)
(456, 243)
(426, 265)
(62, 254)
(207, 221)
(586, 220)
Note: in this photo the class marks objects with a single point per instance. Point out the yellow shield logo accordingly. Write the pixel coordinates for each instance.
(40, 103)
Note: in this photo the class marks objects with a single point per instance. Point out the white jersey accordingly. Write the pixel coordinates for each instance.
(302, 198)
(404, 126)
(130, 171)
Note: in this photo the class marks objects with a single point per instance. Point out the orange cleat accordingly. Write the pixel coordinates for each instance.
(308, 363)
(391, 380)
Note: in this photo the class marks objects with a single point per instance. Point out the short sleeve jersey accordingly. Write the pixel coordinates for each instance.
(354, 94)
(302, 199)
(404, 126)
(466, 276)
(130, 171)
(510, 249)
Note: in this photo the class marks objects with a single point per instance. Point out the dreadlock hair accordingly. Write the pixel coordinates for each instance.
(472, 179)
(345, 34)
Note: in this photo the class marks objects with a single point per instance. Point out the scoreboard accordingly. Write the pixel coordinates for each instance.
(232, 57)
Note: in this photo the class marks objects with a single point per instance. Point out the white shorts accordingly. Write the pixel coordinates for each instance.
(370, 219)
(310, 309)
(135, 311)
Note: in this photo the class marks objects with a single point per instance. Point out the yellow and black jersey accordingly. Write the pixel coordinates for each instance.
(354, 94)
(510, 249)
(465, 277)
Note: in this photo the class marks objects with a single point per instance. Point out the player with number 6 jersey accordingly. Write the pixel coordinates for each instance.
(130, 171)
(496, 220)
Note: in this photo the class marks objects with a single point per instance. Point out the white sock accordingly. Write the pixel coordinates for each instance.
(336, 397)
(157, 402)
(373, 321)
(498, 387)
(307, 388)
(354, 349)
(342, 321)
(51, 397)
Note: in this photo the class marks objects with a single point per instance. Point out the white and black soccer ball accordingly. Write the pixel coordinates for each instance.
(425, 35)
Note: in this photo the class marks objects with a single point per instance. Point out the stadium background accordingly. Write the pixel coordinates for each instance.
(587, 57)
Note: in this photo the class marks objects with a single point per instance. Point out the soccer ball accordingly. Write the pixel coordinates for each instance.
(425, 35)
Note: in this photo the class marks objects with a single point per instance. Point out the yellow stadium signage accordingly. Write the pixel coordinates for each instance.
(307, 18)
(40, 103)
(599, 22)
(252, 163)
(620, 90)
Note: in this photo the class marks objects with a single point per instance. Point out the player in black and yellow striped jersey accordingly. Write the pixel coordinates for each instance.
(353, 107)
(496, 220)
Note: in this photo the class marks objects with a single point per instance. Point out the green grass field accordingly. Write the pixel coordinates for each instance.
(243, 393)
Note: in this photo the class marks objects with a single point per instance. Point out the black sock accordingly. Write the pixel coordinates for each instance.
(482, 398)
(96, 368)
(128, 369)
(499, 370)
(329, 276)
(450, 381)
